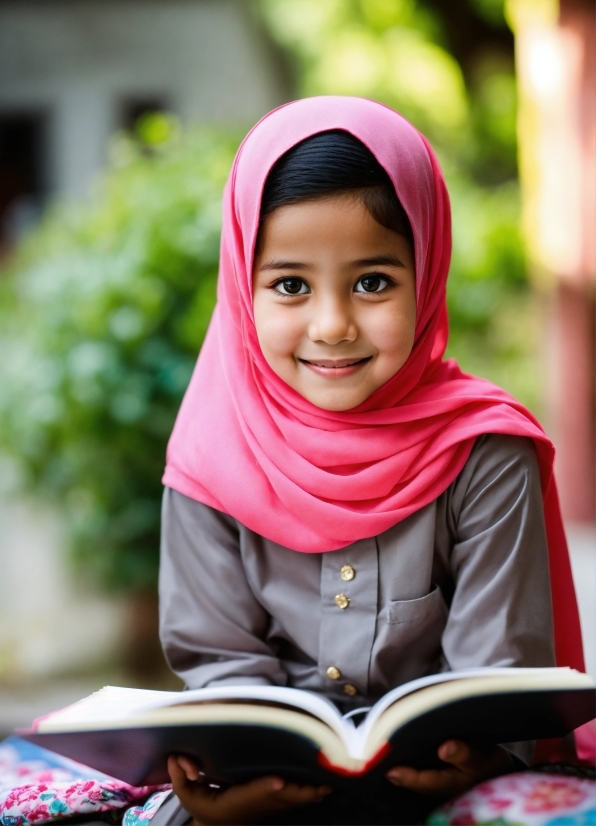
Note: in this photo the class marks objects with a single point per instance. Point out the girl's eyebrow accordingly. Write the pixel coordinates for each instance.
(374, 261)
(278, 264)
(379, 261)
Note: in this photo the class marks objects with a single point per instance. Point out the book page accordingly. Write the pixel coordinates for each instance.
(496, 681)
(418, 696)
(108, 703)
(307, 701)
(433, 679)
(113, 704)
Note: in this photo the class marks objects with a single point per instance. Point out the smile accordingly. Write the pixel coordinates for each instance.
(335, 368)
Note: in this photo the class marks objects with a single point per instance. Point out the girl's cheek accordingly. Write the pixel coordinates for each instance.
(394, 335)
(279, 335)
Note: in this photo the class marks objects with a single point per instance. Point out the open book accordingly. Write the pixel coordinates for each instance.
(238, 732)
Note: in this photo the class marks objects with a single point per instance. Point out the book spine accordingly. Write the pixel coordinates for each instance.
(326, 764)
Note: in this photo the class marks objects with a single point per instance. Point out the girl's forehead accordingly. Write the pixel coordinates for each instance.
(337, 227)
(396, 144)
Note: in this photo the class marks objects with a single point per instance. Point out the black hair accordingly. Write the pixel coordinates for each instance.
(330, 163)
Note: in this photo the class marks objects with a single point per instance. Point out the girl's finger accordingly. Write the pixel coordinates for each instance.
(297, 795)
(457, 753)
(430, 781)
(190, 768)
(476, 762)
(177, 773)
(262, 797)
(434, 781)
(238, 804)
(245, 803)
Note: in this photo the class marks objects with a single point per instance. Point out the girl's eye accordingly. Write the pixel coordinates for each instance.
(371, 284)
(291, 286)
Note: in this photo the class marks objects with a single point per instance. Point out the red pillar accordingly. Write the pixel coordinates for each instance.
(574, 407)
(574, 370)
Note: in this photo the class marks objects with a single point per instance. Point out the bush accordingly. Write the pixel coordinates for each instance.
(103, 313)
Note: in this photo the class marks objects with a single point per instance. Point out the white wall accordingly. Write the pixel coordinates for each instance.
(48, 624)
(582, 548)
(77, 60)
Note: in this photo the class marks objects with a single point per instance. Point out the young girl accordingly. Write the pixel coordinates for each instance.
(344, 510)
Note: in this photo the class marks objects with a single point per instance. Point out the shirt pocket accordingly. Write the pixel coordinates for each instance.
(409, 640)
(424, 612)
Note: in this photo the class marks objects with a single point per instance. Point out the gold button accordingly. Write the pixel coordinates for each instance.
(341, 600)
(350, 690)
(347, 573)
(333, 673)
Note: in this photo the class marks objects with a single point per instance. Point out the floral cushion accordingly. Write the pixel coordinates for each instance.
(38, 786)
(137, 815)
(525, 799)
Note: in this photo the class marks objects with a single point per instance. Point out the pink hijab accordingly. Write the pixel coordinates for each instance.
(248, 445)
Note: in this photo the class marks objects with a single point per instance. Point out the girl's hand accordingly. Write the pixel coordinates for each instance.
(467, 767)
(241, 804)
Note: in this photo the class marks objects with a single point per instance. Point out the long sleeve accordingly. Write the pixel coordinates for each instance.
(212, 627)
(501, 611)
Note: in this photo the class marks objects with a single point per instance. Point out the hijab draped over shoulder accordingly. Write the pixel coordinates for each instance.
(314, 480)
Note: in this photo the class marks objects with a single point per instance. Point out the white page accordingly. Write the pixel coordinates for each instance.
(109, 703)
(114, 704)
(415, 685)
(308, 701)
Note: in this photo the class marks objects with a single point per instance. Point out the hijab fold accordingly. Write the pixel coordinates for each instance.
(314, 480)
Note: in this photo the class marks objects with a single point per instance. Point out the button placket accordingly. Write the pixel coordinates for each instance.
(349, 600)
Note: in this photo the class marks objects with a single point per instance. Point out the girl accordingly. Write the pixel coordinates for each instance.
(344, 510)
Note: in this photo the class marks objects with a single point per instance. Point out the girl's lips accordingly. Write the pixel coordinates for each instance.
(335, 369)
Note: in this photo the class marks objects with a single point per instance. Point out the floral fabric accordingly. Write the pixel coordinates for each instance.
(38, 786)
(527, 799)
(138, 814)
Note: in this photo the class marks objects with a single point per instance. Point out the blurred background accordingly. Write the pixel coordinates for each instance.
(119, 120)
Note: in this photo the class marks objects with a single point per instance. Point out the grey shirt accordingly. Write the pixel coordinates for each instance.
(463, 582)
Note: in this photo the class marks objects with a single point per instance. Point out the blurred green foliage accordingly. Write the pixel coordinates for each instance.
(102, 316)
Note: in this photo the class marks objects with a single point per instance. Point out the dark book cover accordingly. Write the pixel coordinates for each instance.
(233, 752)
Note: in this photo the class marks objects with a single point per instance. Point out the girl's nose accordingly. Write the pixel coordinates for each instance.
(332, 323)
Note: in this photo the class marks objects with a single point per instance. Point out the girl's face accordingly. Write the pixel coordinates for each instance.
(334, 300)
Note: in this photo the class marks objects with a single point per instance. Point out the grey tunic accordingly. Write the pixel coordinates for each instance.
(463, 582)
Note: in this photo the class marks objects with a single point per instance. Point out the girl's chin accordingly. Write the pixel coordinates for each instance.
(335, 399)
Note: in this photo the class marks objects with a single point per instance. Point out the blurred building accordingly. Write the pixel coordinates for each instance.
(74, 71)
